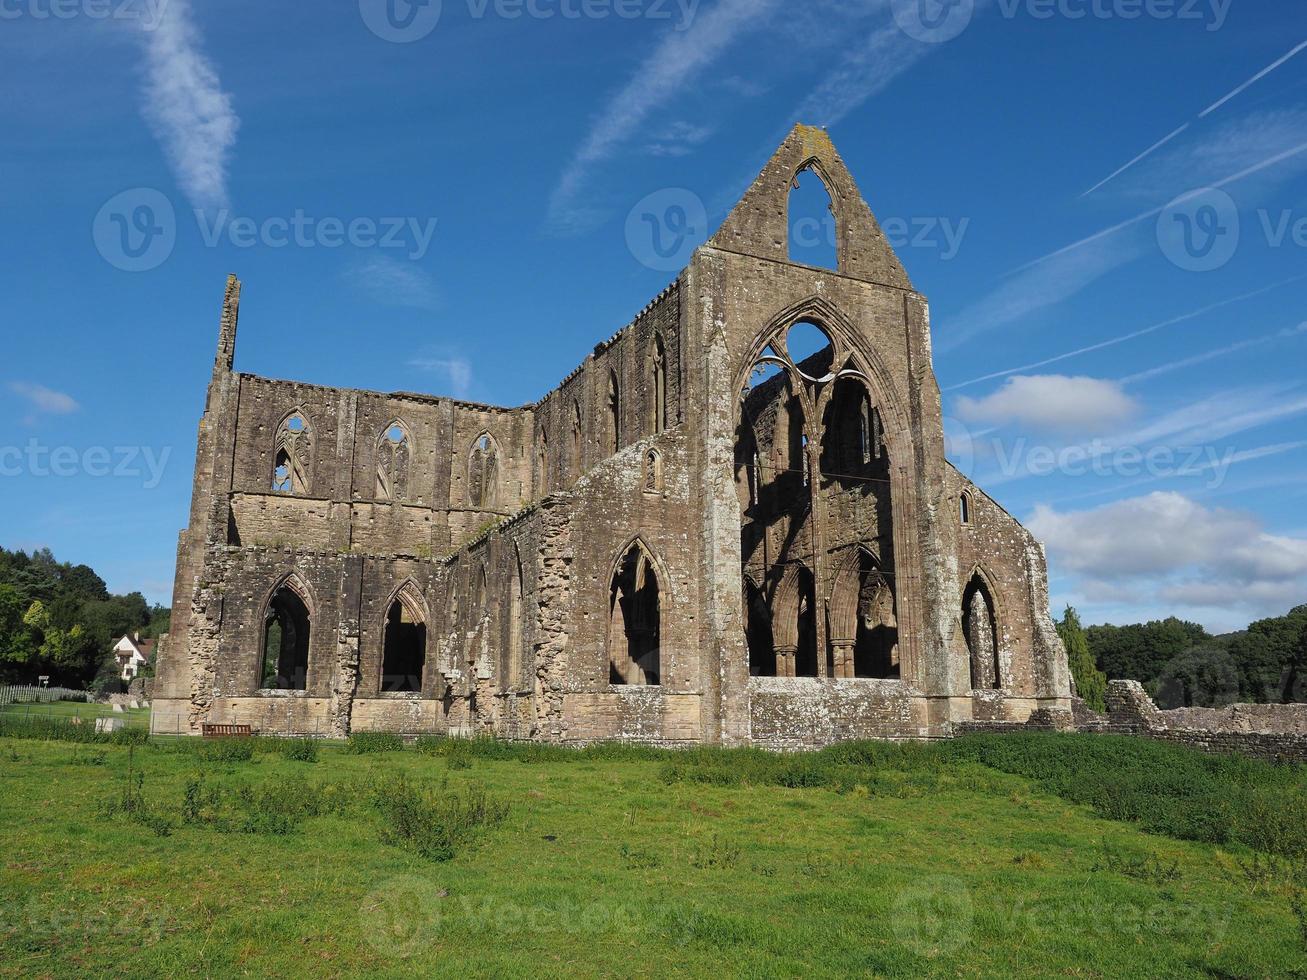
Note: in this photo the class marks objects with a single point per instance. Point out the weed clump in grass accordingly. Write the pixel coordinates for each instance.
(434, 826)
(57, 730)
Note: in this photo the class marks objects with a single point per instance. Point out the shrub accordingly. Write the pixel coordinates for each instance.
(300, 749)
(364, 743)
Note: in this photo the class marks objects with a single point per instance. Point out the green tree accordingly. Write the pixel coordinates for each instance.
(1091, 683)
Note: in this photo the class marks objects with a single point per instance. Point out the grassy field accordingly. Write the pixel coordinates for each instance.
(982, 857)
(68, 710)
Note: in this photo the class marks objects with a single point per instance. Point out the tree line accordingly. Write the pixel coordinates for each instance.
(1182, 665)
(59, 620)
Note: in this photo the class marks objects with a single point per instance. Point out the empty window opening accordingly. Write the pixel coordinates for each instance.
(292, 457)
(964, 508)
(794, 624)
(863, 631)
(633, 634)
(813, 232)
(810, 349)
(393, 463)
(482, 473)
(980, 627)
(404, 652)
(848, 435)
(286, 642)
(762, 652)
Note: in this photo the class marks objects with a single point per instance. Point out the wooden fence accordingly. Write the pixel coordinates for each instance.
(39, 695)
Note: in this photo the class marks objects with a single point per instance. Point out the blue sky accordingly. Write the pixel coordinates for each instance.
(1122, 359)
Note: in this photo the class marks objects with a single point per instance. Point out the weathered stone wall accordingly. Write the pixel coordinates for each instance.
(634, 450)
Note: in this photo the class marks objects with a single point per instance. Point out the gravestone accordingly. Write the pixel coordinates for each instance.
(109, 725)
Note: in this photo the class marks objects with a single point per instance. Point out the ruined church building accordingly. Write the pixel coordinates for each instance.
(733, 523)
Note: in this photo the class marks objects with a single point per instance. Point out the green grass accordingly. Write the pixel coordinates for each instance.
(980, 857)
(64, 711)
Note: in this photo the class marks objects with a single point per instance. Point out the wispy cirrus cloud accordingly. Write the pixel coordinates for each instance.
(42, 400)
(456, 371)
(394, 282)
(190, 113)
(675, 64)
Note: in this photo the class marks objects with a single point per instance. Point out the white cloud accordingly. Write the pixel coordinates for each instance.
(1053, 401)
(394, 282)
(456, 371)
(670, 68)
(186, 107)
(1165, 549)
(43, 399)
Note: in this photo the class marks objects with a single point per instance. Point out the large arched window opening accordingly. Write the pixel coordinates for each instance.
(851, 437)
(483, 473)
(863, 636)
(634, 620)
(658, 384)
(404, 646)
(286, 624)
(393, 454)
(292, 458)
(813, 228)
(980, 627)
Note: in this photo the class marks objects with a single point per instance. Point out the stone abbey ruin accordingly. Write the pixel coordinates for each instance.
(714, 530)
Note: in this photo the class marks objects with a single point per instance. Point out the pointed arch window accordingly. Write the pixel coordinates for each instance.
(964, 508)
(286, 626)
(658, 383)
(404, 643)
(653, 472)
(634, 621)
(980, 627)
(813, 226)
(394, 451)
(292, 459)
(482, 473)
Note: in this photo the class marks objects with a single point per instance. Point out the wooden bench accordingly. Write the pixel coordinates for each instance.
(227, 731)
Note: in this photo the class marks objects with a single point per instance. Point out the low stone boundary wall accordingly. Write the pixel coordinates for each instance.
(1275, 732)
